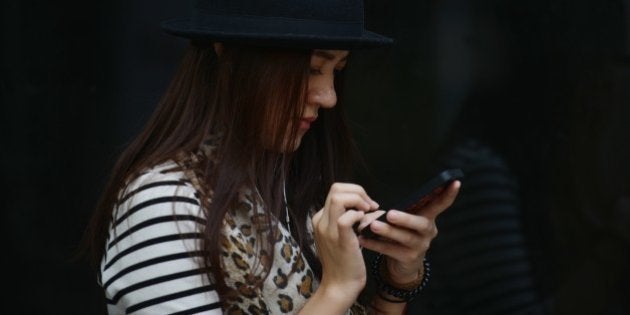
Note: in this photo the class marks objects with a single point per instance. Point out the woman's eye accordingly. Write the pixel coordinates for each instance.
(315, 71)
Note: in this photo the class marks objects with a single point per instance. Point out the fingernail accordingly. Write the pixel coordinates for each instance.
(375, 204)
(369, 205)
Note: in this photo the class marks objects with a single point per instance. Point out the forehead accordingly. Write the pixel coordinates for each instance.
(331, 55)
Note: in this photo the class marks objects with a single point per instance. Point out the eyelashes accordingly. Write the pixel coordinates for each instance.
(314, 71)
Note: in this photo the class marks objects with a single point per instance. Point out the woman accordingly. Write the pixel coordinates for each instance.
(234, 196)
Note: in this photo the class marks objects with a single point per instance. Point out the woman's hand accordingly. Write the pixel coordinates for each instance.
(407, 238)
(343, 268)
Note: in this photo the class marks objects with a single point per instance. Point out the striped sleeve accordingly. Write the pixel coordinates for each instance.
(480, 259)
(152, 263)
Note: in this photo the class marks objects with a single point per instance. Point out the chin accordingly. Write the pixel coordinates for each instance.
(294, 147)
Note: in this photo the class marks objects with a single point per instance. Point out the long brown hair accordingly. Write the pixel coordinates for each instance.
(246, 97)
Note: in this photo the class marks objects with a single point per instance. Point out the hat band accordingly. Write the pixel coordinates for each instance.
(270, 26)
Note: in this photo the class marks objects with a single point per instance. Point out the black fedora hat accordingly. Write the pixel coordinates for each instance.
(331, 24)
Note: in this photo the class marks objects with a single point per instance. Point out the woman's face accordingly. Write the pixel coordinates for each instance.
(321, 87)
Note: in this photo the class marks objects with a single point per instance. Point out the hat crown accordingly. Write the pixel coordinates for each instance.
(329, 24)
(329, 10)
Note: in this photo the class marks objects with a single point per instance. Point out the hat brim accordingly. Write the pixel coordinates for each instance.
(183, 28)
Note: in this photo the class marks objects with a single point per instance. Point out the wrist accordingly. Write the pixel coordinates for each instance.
(337, 297)
(344, 287)
(401, 279)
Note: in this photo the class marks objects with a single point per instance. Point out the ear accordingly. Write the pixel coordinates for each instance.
(218, 48)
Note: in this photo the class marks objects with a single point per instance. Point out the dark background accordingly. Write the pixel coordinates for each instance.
(551, 79)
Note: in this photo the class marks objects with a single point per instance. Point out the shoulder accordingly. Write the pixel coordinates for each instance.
(162, 179)
(157, 191)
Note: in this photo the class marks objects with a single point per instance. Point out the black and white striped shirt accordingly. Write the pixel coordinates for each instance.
(152, 263)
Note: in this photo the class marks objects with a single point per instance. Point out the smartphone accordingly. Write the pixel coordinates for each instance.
(415, 201)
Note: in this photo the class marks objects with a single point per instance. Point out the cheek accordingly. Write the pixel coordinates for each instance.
(310, 89)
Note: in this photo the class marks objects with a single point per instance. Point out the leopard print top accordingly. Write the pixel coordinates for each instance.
(291, 280)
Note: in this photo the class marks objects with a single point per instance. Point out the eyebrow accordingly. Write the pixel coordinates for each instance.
(327, 55)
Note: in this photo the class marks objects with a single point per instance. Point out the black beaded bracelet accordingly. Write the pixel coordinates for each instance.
(405, 295)
(389, 300)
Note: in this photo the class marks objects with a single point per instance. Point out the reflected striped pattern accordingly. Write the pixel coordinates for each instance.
(480, 258)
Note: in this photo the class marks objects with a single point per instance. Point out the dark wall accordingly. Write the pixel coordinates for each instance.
(78, 79)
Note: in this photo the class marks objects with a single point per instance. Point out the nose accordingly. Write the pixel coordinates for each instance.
(322, 93)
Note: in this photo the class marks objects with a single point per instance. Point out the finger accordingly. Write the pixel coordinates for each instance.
(442, 201)
(405, 237)
(346, 221)
(418, 223)
(396, 251)
(368, 219)
(339, 202)
(317, 217)
(352, 188)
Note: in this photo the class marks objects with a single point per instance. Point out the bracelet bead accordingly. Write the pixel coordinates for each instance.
(407, 294)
